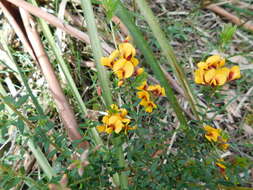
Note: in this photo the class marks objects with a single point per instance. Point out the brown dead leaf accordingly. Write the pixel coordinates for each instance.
(247, 129)
(239, 60)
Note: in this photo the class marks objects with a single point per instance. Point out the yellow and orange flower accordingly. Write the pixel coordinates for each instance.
(122, 61)
(211, 72)
(143, 86)
(139, 71)
(115, 121)
(149, 106)
(144, 96)
(109, 61)
(222, 168)
(212, 134)
(123, 69)
(157, 90)
(127, 51)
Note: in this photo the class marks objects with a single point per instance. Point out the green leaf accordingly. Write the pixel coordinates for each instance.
(2, 107)
(227, 34)
(110, 6)
(139, 79)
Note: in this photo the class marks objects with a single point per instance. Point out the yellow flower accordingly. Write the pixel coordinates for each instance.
(101, 128)
(115, 121)
(144, 96)
(109, 61)
(157, 90)
(223, 145)
(222, 168)
(139, 71)
(212, 134)
(215, 61)
(127, 51)
(120, 83)
(199, 76)
(213, 77)
(134, 61)
(234, 73)
(149, 106)
(216, 77)
(143, 86)
(123, 68)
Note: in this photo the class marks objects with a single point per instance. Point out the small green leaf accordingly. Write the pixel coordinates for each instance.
(22, 100)
(139, 79)
(227, 34)
(110, 6)
(2, 107)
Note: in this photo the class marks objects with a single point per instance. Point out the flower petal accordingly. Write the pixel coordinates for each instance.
(128, 69)
(101, 128)
(234, 73)
(209, 75)
(199, 76)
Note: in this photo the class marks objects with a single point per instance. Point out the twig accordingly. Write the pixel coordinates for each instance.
(12, 15)
(65, 111)
(230, 17)
(243, 100)
(51, 19)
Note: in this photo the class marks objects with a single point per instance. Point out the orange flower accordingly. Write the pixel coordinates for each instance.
(109, 61)
(144, 96)
(139, 71)
(234, 73)
(143, 86)
(149, 106)
(127, 51)
(157, 90)
(123, 69)
(212, 134)
(116, 121)
(216, 77)
(214, 61)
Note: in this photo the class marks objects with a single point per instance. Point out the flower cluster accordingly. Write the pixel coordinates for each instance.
(115, 121)
(221, 167)
(123, 62)
(211, 72)
(214, 135)
(145, 92)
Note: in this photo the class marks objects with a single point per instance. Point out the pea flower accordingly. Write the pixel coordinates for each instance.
(215, 135)
(157, 90)
(143, 86)
(122, 62)
(123, 69)
(211, 72)
(212, 134)
(144, 96)
(222, 168)
(149, 106)
(115, 121)
(109, 61)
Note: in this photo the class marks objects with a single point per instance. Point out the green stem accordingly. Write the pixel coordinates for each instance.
(97, 51)
(40, 157)
(66, 72)
(102, 74)
(142, 44)
(123, 178)
(168, 53)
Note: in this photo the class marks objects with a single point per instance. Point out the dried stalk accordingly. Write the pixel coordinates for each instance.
(230, 17)
(64, 109)
(53, 20)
